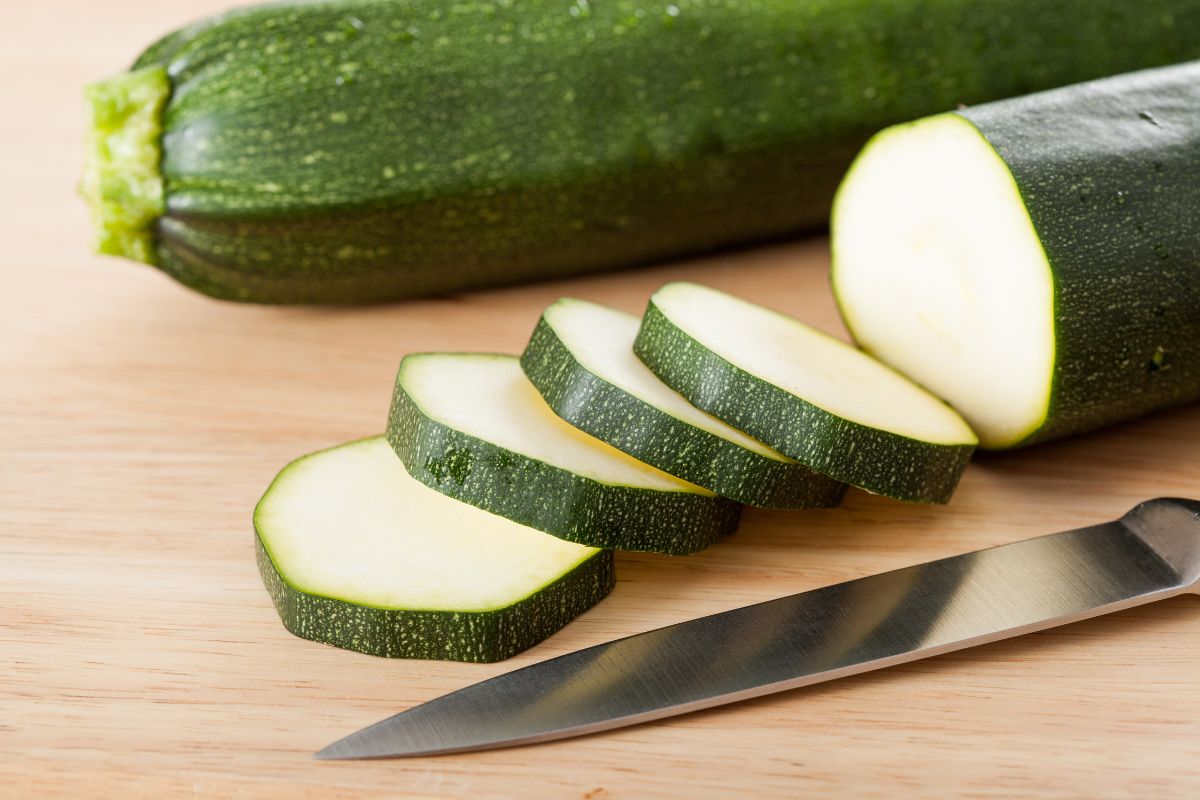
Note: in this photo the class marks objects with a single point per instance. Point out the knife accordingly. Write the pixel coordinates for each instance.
(1151, 553)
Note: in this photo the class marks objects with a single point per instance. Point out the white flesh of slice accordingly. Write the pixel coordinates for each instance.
(489, 397)
(939, 272)
(809, 364)
(350, 523)
(601, 340)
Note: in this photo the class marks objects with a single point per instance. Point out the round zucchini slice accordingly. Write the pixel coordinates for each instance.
(472, 426)
(581, 359)
(357, 554)
(820, 401)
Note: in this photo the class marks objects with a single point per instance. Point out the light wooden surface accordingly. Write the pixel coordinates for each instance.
(140, 656)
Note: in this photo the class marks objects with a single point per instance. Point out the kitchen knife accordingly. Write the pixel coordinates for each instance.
(1151, 553)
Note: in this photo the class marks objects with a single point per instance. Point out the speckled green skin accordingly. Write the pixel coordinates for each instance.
(879, 461)
(632, 425)
(362, 150)
(1110, 174)
(550, 498)
(481, 636)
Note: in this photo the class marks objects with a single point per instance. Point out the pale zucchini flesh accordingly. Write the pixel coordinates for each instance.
(939, 272)
(358, 554)
(474, 427)
(828, 405)
(581, 359)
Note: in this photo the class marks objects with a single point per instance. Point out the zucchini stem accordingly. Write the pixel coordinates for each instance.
(122, 181)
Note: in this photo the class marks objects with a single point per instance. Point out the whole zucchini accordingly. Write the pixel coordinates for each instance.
(336, 152)
(1035, 261)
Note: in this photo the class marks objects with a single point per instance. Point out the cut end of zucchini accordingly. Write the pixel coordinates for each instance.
(121, 181)
(939, 272)
(358, 554)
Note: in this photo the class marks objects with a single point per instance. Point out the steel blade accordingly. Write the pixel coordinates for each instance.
(1151, 553)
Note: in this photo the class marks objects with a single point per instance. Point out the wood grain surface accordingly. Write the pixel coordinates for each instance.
(140, 656)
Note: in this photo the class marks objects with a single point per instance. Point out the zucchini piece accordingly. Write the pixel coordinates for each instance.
(1035, 262)
(357, 554)
(472, 426)
(362, 150)
(829, 406)
(581, 359)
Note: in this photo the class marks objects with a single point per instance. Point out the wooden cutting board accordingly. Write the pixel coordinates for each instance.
(140, 656)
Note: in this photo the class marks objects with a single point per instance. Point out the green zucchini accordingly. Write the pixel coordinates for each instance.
(357, 554)
(472, 426)
(1035, 262)
(581, 359)
(360, 150)
(820, 401)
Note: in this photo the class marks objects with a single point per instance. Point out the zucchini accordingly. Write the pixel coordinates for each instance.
(357, 554)
(1035, 262)
(361, 150)
(473, 427)
(829, 406)
(581, 359)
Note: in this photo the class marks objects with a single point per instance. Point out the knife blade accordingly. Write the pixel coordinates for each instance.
(1151, 553)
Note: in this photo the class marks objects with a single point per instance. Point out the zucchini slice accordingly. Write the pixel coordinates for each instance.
(1036, 261)
(357, 554)
(472, 426)
(581, 359)
(822, 402)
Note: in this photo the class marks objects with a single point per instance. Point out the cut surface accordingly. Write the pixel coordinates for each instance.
(601, 339)
(489, 397)
(810, 365)
(939, 272)
(351, 524)
(121, 179)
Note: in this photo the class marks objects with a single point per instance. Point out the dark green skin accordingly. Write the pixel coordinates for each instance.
(1109, 172)
(479, 636)
(634, 426)
(480, 144)
(550, 498)
(879, 461)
